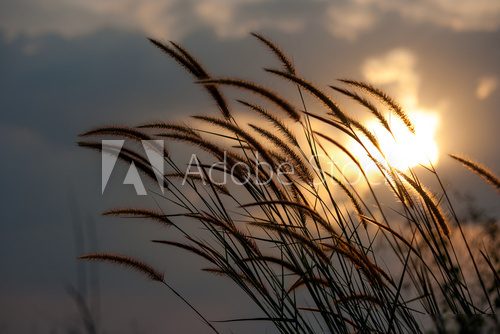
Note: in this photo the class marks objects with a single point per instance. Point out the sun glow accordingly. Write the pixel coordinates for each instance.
(402, 149)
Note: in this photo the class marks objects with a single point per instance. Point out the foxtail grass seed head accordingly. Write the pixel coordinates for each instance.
(313, 248)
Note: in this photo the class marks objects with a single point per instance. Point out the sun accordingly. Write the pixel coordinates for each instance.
(403, 149)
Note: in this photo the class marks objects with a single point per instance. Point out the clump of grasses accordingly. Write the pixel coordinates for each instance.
(304, 250)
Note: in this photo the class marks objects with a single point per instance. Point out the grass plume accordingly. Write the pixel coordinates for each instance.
(315, 251)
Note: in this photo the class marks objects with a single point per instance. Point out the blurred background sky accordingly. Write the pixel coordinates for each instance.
(69, 65)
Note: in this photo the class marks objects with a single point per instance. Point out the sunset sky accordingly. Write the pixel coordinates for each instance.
(68, 66)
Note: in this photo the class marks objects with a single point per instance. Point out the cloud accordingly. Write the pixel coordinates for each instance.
(459, 15)
(486, 86)
(234, 18)
(75, 18)
(348, 21)
(228, 19)
(171, 19)
(395, 69)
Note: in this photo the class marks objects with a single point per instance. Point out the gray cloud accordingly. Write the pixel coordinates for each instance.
(349, 19)
(174, 19)
(459, 15)
(171, 19)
